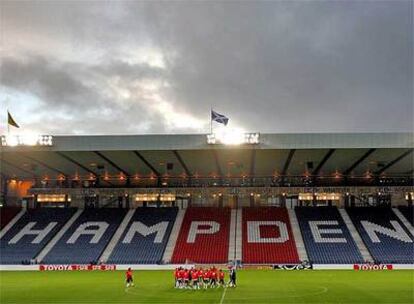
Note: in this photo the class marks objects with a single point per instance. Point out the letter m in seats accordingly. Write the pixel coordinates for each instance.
(137, 227)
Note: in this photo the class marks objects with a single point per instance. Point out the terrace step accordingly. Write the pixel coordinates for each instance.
(238, 235)
(403, 220)
(366, 255)
(300, 245)
(117, 235)
(232, 239)
(12, 222)
(174, 236)
(58, 236)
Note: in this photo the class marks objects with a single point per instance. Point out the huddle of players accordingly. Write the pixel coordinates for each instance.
(198, 278)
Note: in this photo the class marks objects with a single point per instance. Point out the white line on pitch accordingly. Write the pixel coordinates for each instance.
(224, 294)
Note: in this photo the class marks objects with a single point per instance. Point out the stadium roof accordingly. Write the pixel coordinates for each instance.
(190, 155)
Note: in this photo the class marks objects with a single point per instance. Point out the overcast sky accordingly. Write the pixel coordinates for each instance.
(157, 67)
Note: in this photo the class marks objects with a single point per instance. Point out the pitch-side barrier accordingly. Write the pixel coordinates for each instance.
(113, 267)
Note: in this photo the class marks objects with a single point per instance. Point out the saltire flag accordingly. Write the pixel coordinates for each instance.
(220, 118)
(11, 121)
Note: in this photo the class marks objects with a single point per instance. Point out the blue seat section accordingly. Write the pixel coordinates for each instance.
(327, 252)
(14, 251)
(143, 249)
(84, 250)
(384, 248)
(408, 212)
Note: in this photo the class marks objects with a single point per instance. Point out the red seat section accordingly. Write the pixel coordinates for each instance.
(7, 214)
(267, 236)
(204, 236)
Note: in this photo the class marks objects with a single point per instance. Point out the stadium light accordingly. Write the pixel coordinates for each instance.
(233, 137)
(28, 139)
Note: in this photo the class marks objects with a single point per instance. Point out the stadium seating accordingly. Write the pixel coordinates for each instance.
(204, 236)
(408, 212)
(147, 245)
(17, 247)
(267, 236)
(326, 248)
(75, 247)
(7, 214)
(385, 236)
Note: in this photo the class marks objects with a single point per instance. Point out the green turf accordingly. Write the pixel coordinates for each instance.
(254, 286)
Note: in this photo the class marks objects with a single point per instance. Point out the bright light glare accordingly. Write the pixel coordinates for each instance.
(233, 137)
(12, 141)
(27, 139)
(230, 136)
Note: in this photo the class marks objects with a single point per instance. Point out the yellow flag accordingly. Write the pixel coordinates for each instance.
(11, 121)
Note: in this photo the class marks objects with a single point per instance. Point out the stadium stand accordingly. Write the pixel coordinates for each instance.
(7, 214)
(31, 233)
(384, 235)
(86, 239)
(145, 238)
(204, 236)
(408, 212)
(262, 243)
(336, 245)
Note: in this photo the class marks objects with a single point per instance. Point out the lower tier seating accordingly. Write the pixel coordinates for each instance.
(267, 236)
(31, 233)
(326, 237)
(7, 214)
(145, 238)
(385, 236)
(88, 236)
(408, 212)
(204, 236)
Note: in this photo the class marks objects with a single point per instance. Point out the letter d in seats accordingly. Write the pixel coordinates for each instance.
(253, 232)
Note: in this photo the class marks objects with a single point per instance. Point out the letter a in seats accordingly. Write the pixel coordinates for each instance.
(100, 228)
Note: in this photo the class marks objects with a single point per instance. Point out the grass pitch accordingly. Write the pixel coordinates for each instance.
(254, 286)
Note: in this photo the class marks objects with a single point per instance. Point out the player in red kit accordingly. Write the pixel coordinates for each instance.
(206, 278)
(221, 278)
(129, 278)
(194, 276)
(213, 277)
(181, 277)
(186, 278)
(176, 285)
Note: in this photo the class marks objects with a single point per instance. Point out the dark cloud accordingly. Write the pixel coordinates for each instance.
(271, 66)
(72, 98)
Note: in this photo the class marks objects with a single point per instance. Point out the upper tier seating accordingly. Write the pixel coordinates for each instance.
(204, 236)
(408, 212)
(7, 214)
(327, 247)
(384, 235)
(83, 248)
(146, 241)
(17, 246)
(267, 236)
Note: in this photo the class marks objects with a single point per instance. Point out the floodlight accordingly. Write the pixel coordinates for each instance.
(28, 139)
(12, 141)
(233, 137)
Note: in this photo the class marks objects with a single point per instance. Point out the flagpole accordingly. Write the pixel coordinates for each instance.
(211, 121)
(8, 125)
